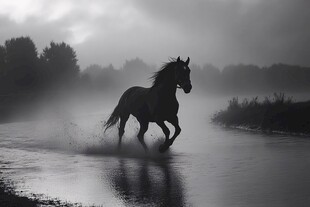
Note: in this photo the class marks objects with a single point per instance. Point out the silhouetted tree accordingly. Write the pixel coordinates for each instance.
(211, 75)
(110, 77)
(206, 78)
(278, 77)
(103, 77)
(136, 71)
(197, 76)
(93, 71)
(21, 63)
(94, 75)
(135, 66)
(242, 78)
(85, 81)
(3, 81)
(2, 60)
(60, 63)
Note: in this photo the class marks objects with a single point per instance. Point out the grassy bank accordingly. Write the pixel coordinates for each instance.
(277, 113)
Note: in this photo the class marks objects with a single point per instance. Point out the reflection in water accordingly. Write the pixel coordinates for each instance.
(147, 182)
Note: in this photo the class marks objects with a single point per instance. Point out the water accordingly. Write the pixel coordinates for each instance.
(72, 160)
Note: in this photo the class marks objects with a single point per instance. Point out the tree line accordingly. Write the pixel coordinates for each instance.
(133, 72)
(236, 79)
(23, 69)
(252, 79)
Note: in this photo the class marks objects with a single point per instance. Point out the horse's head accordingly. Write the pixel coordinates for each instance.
(182, 75)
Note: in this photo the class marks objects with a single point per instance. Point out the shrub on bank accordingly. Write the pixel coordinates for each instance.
(278, 113)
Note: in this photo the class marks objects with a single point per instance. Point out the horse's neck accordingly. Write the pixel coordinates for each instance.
(168, 90)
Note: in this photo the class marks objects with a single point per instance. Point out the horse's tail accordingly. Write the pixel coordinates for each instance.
(114, 117)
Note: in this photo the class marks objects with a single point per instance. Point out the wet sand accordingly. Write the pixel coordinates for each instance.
(9, 198)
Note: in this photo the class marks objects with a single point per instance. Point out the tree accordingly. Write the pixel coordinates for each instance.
(136, 71)
(20, 63)
(3, 81)
(2, 60)
(60, 63)
(103, 77)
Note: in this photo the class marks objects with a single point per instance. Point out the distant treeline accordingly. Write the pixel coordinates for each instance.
(23, 70)
(210, 79)
(133, 72)
(252, 79)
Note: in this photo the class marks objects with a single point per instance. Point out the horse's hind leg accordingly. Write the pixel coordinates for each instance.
(143, 128)
(121, 129)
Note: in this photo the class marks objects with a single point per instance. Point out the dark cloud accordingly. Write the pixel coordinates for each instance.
(217, 31)
(260, 32)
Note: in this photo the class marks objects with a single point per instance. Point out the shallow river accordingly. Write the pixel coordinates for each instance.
(71, 159)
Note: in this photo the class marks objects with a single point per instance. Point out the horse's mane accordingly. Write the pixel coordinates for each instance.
(160, 75)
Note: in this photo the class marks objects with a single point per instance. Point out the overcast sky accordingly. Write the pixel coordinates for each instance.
(220, 32)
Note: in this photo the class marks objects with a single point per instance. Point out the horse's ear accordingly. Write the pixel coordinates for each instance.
(178, 60)
(187, 61)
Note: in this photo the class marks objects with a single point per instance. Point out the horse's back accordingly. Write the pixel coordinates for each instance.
(134, 92)
(134, 99)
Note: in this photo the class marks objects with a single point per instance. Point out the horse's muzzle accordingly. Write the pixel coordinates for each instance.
(187, 87)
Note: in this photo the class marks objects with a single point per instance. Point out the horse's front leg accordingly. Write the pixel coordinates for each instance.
(165, 129)
(175, 122)
(165, 146)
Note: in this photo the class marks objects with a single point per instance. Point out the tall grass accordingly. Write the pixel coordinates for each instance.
(250, 113)
(277, 100)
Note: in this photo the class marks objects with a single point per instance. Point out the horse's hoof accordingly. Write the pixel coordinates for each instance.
(163, 147)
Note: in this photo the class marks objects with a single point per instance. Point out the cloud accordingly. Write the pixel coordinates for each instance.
(217, 31)
(257, 31)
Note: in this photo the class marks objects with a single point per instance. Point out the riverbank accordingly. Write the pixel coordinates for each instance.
(276, 114)
(9, 198)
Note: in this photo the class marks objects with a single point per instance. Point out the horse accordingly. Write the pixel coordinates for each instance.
(155, 104)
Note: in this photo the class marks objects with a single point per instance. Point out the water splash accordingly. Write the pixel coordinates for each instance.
(85, 135)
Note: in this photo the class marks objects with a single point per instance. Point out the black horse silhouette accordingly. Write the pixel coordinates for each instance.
(155, 104)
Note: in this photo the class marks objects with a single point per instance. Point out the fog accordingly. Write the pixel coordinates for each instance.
(97, 86)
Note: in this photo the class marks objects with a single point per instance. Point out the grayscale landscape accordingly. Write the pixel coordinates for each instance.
(229, 78)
